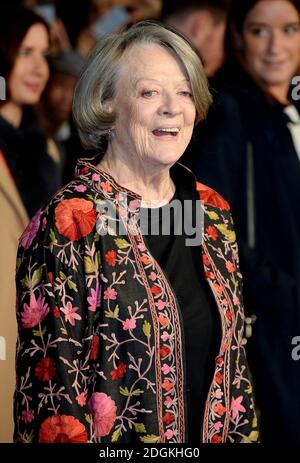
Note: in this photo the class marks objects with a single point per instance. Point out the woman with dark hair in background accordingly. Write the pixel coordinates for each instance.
(28, 175)
(252, 158)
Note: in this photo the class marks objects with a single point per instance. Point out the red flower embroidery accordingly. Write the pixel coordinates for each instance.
(228, 315)
(95, 347)
(45, 369)
(119, 372)
(167, 385)
(211, 230)
(164, 351)
(216, 439)
(205, 260)
(75, 218)
(62, 428)
(50, 277)
(145, 259)
(155, 290)
(219, 409)
(106, 187)
(56, 312)
(168, 418)
(230, 267)
(163, 321)
(110, 258)
(84, 170)
(218, 378)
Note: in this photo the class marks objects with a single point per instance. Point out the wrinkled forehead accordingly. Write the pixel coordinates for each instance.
(149, 61)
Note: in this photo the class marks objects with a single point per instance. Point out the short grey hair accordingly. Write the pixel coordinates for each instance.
(97, 82)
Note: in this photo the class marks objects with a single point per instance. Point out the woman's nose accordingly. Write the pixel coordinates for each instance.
(275, 42)
(39, 64)
(169, 106)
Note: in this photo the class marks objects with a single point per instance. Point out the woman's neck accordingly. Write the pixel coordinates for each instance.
(12, 113)
(156, 188)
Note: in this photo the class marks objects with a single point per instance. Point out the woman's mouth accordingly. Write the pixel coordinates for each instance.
(166, 131)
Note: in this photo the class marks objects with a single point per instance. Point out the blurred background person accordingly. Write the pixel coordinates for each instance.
(203, 22)
(28, 174)
(250, 153)
(55, 110)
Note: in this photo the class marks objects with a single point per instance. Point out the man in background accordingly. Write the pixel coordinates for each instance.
(203, 22)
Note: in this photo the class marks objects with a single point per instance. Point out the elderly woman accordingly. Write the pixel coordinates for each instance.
(125, 336)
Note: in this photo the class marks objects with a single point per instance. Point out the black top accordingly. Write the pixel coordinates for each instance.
(183, 267)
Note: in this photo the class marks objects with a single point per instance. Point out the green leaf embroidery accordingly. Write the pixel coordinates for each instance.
(72, 285)
(39, 332)
(149, 438)
(137, 392)
(89, 265)
(213, 215)
(124, 391)
(52, 236)
(121, 243)
(97, 259)
(116, 435)
(229, 234)
(26, 282)
(88, 418)
(140, 427)
(62, 276)
(146, 328)
(112, 314)
(36, 277)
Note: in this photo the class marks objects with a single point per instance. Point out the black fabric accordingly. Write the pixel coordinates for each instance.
(36, 175)
(202, 332)
(272, 267)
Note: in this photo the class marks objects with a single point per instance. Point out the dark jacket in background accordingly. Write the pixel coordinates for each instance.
(245, 151)
(36, 174)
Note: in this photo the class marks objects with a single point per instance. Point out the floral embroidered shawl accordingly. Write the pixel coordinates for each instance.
(100, 354)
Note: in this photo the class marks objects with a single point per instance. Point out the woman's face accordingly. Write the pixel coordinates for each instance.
(154, 106)
(271, 39)
(30, 71)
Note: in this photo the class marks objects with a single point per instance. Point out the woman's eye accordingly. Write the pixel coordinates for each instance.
(24, 52)
(186, 93)
(258, 31)
(148, 93)
(289, 30)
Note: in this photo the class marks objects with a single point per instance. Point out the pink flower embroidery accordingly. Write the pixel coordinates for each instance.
(30, 231)
(27, 416)
(218, 425)
(110, 293)
(160, 304)
(94, 299)
(165, 369)
(129, 324)
(35, 312)
(169, 434)
(103, 410)
(168, 402)
(165, 336)
(80, 188)
(236, 406)
(70, 313)
(219, 394)
(95, 177)
(152, 276)
(81, 398)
